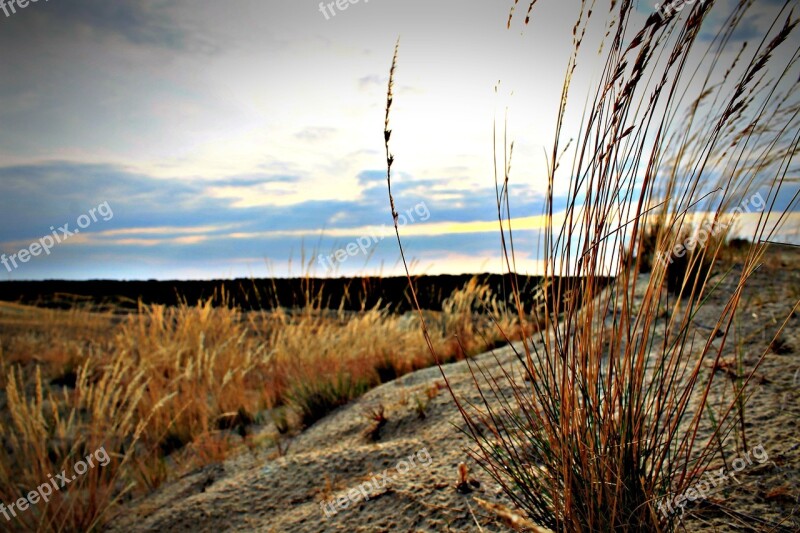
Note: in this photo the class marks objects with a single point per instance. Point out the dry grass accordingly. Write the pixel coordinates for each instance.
(610, 418)
(168, 389)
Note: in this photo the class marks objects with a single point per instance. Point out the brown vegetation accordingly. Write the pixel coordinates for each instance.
(608, 415)
(168, 389)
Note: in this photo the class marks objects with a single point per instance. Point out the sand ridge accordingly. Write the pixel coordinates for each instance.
(256, 491)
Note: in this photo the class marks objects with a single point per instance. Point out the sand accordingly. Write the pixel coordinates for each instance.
(406, 479)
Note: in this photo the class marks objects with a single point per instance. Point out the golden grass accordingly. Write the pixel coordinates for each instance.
(168, 389)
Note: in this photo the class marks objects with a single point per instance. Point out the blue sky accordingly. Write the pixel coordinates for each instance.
(230, 137)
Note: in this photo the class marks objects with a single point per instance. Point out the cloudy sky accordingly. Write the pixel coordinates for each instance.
(228, 138)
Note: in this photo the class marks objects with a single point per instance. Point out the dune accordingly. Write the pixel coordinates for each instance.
(344, 474)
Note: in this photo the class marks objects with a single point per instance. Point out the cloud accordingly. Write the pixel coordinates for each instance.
(372, 81)
(752, 27)
(254, 180)
(315, 134)
(141, 23)
(180, 224)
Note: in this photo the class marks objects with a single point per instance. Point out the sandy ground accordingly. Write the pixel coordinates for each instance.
(405, 480)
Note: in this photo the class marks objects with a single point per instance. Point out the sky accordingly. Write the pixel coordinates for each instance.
(206, 140)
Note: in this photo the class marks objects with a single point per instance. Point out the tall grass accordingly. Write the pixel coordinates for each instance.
(608, 422)
(167, 389)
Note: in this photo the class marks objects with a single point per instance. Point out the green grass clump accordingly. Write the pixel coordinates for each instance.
(313, 400)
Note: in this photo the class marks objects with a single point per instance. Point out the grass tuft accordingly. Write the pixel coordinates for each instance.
(598, 423)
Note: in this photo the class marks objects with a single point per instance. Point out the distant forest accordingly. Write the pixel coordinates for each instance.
(351, 294)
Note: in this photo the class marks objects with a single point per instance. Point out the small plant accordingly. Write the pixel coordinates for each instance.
(377, 419)
(420, 407)
(465, 485)
(433, 391)
(780, 346)
(403, 400)
(280, 419)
